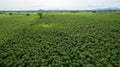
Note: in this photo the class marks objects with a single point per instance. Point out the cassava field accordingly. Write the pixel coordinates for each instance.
(60, 39)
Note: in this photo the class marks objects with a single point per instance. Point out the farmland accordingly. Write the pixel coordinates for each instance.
(60, 39)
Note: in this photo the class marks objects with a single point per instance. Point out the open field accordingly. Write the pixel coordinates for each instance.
(60, 40)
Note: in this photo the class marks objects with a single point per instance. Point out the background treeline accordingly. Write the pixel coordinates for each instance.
(72, 11)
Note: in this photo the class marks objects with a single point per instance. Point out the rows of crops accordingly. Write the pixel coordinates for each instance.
(77, 40)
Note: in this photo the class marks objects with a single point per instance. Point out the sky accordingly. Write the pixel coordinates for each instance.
(57, 4)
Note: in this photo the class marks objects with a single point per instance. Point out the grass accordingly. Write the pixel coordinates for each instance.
(60, 39)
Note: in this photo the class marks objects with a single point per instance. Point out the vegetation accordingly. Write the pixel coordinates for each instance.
(27, 14)
(60, 39)
(10, 13)
(40, 14)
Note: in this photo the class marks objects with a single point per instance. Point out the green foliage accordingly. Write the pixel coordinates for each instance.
(27, 14)
(10, 13)
(60, 40)
(40, 14)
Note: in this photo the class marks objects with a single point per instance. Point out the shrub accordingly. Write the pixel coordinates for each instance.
(94, 11)
(27, 14)
(10, 14)
(40, 15)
